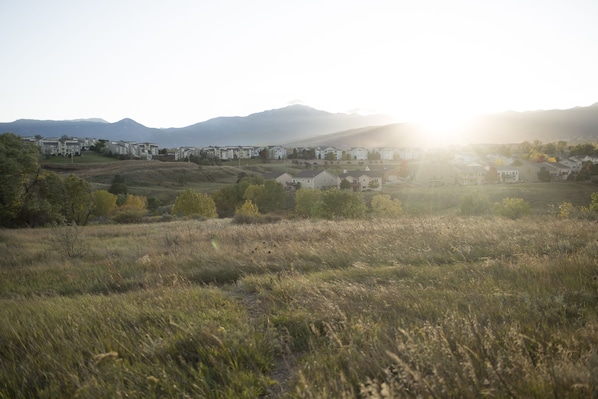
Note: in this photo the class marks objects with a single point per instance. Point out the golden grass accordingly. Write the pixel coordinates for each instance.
(414, 307)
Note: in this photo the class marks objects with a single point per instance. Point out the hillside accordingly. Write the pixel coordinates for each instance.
(576, 125)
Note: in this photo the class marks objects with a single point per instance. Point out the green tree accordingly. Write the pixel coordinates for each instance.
(305, 200)
(44, 204)
(384, 206)
(513, 208)
(373, 184)
(268, 197)
(19, 167)
(340, 204)
(118, 186)
(194, 203)
(103, 203)
(474, 203)
(77, 200)
(345, 185)
(228, 198)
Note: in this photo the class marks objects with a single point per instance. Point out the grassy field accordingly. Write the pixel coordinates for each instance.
(431, 306)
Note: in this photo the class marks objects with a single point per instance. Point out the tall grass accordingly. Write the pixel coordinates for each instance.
(415, 307)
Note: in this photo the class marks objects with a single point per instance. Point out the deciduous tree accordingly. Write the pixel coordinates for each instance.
(19, 167)
(305, 200)
(103, 202)
(194, 203)
(78, 200)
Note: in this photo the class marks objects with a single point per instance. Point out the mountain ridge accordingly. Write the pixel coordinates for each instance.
(300, 125)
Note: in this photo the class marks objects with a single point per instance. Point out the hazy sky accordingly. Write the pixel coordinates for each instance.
(176, 62)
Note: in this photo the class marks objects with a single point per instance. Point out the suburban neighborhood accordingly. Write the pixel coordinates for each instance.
(357, 168)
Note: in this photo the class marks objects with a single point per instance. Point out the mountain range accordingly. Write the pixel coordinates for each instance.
(300, 125)
(273, 127)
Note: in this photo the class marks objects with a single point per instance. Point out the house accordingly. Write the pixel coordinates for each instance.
(363, 180)
(507, 174)
(277, 152)
(281, 177)
(434, 174)
(389, 172)
(318, 179)
(467, 175)
(408, 153)
(388, 154)
(359, 153)
(558, 171)
(329, 153)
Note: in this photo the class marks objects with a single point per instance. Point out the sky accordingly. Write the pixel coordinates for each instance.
(175, 63)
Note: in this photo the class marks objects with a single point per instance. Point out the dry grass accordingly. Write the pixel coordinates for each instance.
(415, 307)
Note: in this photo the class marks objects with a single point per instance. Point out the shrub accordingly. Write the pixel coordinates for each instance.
(129, 215)
(513, 208)
(67, 239)
(384, 206)
(247, 209)
(338, 204)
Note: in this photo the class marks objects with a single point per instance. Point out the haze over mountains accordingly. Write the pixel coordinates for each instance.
(302, 125)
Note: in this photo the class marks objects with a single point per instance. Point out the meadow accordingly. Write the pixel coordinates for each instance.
(437, 306)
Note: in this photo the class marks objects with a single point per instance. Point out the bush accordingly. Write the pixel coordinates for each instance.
(129, 215)
(340, 204)
(513, 208)
(247, 209)
(67, 239)
(384, 206)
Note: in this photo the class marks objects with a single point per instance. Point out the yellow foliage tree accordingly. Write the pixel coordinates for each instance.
(135, 202)
(194, 203)
(247, 209)
(103, 202)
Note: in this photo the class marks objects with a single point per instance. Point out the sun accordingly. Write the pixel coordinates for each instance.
(440, 129)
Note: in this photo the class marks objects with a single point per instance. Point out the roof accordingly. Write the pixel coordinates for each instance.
(273, 175)
(359, 173)
(469, 169)
(310, 173)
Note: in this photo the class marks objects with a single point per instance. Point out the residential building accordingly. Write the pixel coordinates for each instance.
(359, 153)
(318, 179)
(467, 175)
(281, 177)
(363, 180)
(508, 174)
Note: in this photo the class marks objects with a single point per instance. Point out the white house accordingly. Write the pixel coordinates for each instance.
(363, 180)
(277, 152)
(281, 177)
(359, 153)
(317, 179)
(323, 153)
(508, 174)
